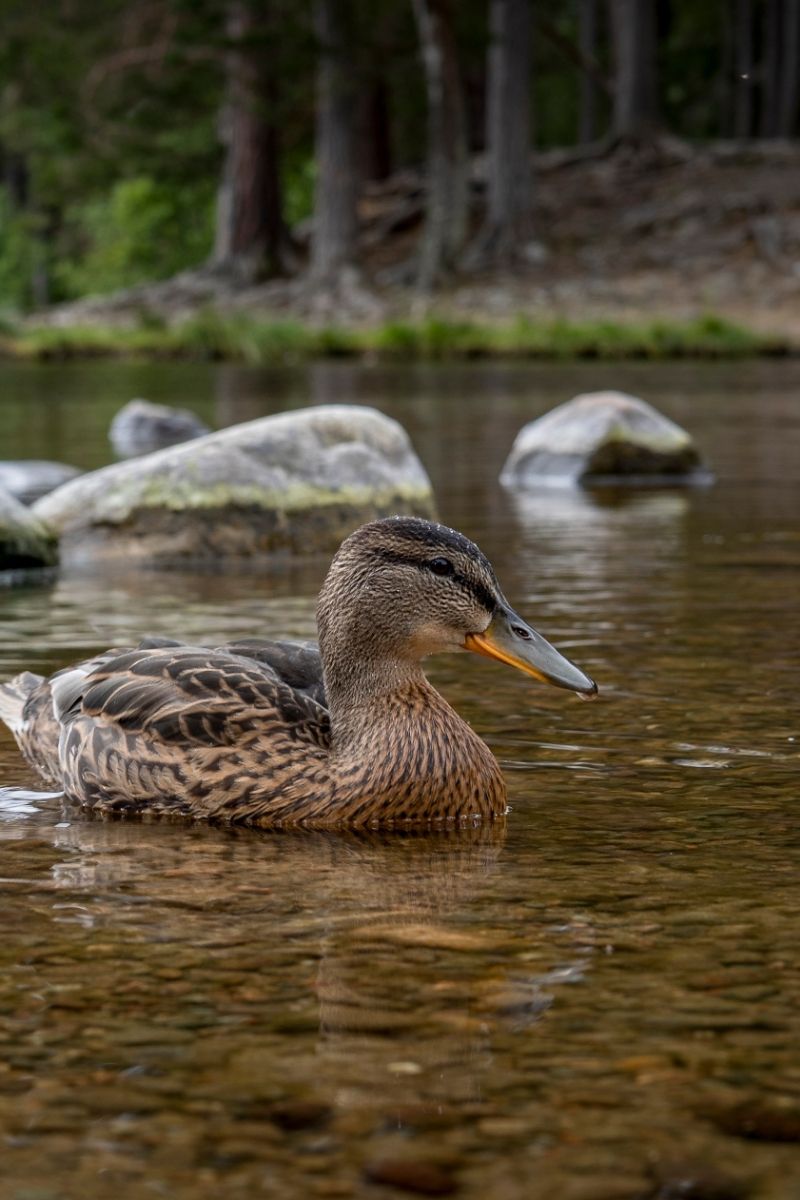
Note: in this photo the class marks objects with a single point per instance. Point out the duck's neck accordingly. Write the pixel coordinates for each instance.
(396, 739)
(365, 693)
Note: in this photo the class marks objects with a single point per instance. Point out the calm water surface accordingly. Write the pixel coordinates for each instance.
(601, 1004)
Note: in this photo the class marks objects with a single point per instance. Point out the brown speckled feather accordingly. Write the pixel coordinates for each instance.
(186, 730)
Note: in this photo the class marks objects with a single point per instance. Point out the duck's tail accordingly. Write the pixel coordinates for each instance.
(14, 695)
(26, 706)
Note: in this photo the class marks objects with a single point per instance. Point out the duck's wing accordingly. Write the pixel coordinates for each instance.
(296, 663)
(189, 694)
(183, 730)
(169, 695)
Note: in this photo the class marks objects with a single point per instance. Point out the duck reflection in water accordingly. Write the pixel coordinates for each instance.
(332, 962)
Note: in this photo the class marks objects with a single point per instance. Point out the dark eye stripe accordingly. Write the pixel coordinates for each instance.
(477, 590)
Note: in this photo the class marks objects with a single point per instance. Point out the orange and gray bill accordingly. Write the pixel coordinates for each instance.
(510, 640)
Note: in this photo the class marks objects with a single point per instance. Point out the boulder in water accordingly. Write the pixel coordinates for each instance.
(29, 479)
(603, 438)
(296, 483)
(141, 427)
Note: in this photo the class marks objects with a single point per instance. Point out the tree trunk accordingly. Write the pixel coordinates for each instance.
(790, 53)
(508, 223)
(16, 180)
(333, 246)
(448, 183)
(743, 58)
(770, 70)
(376, 134)
(587, 95)
(251, 238)
(633, 24)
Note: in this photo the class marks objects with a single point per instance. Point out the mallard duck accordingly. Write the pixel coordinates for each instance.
(275, 734)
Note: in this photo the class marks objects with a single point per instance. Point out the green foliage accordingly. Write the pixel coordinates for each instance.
(209, 335)
(141, 230)
(435, 337)
(20, 255)
(249, 339)
(299, 176)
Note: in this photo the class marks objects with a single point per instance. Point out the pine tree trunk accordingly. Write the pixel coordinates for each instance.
(509, 223)
(743, 58)
(447, 202)
(790, 54)
(770, 70)
(333, 247)
(587, 96)
(633, 24)
(251, 238)
(16, 180)
(376, 137)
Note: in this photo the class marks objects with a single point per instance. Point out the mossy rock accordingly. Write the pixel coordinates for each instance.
(291, 484)
(603, 438)
(25, 542)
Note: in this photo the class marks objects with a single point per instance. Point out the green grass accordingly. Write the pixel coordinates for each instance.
(246, 338)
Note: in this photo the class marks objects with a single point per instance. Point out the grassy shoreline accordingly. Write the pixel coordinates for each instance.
(259, 341)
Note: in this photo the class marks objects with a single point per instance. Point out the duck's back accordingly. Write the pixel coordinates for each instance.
(171, 729)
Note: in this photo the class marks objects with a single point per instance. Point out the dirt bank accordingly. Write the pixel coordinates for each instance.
(673, 232)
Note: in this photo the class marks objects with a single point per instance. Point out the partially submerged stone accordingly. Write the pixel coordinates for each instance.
(24, 540)
(603, 438)
(141, 427)
(29, 479)
(296, 483)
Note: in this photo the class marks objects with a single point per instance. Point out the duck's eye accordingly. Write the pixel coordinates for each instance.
(441, 566)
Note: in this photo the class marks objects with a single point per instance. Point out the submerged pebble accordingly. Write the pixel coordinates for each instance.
(412, 1175)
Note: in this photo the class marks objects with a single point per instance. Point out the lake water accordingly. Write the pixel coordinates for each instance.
(603, 1003)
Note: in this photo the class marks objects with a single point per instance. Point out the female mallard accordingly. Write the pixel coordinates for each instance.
(269, 734)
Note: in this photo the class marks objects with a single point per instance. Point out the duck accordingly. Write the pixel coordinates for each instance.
(344, 732)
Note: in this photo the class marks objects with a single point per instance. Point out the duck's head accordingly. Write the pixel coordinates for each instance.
(402, 588)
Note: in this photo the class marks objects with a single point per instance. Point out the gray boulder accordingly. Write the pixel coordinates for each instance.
(141, 427)
(24, 541)
(29, 479)
(296, 483)
(603, 438)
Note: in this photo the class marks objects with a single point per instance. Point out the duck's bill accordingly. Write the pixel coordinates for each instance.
(510, 640)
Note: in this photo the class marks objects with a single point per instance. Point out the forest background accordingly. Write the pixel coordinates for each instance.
(351, 160)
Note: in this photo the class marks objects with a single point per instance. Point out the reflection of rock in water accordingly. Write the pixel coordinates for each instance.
(190, 606)
(588, 531)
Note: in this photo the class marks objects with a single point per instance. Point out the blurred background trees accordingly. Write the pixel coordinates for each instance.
(139, 138)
